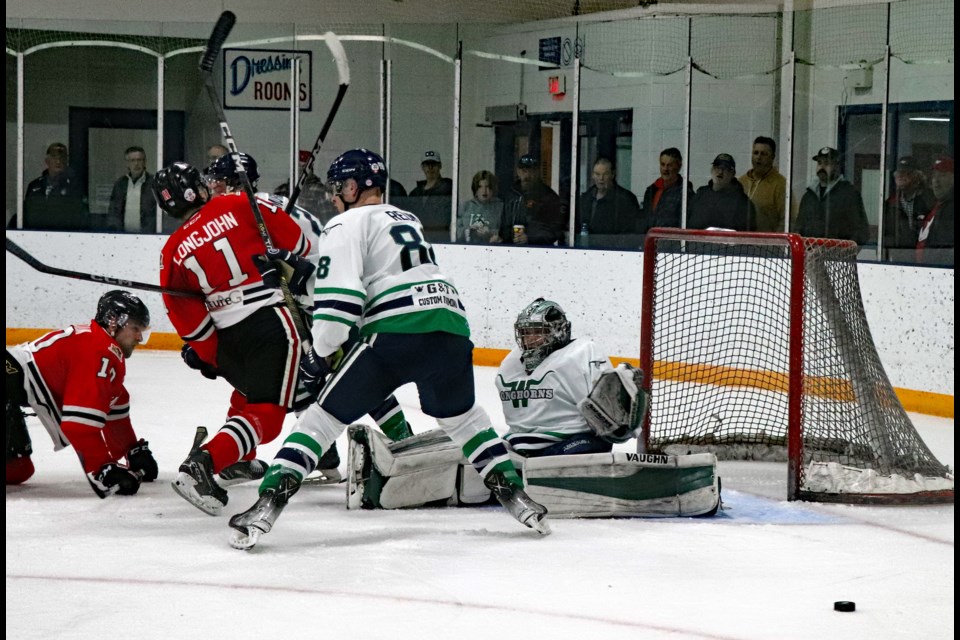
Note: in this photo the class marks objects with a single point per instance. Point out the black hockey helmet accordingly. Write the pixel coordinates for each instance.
(223, 168)
(180, 190)
(366, 167)
(118, 307)
(541, 328)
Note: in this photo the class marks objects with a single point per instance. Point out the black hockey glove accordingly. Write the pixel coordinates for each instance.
(313, 371)
(112, 478)
(194, 361)
(140, 459)
(300, 270)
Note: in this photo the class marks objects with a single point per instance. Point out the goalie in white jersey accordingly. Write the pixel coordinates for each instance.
(377, 272)
(542, 382)
(565, 408)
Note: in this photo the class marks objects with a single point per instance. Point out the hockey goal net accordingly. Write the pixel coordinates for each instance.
(756, 346)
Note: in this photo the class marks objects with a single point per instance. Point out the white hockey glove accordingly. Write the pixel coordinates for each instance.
(617, 405)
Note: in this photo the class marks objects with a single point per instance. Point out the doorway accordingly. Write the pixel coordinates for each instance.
(548, 136)
(99, 137)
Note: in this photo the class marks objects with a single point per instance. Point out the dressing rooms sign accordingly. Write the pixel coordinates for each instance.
(262, 79)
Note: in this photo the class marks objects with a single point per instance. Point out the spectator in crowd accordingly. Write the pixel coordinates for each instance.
(907, 206)
(395, 189)
(481, 218)
(765, 187)
(430, 200)
(722, 202)
(534, 214)
(936, 230)
(132, 207)
(831, 206)
(313, 194)
(663, 200)
(434, 185)
(55, 200)
(606, 207)
(214, 151)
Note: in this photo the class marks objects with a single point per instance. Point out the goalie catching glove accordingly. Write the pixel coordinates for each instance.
(277, 263)
(617, 405)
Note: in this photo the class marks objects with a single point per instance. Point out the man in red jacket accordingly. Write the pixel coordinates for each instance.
(73, 380)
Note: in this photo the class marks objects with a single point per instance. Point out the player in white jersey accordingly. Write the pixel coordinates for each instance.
(542, 382)
(377, 272)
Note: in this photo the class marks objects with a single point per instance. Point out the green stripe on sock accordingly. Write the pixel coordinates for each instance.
(509, 472)
(271, 480)
(396, 428)
(476, 441)
(306, 441)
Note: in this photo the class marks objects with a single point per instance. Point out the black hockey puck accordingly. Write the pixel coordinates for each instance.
(844, 605)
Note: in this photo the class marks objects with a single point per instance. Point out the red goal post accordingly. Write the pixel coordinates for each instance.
(756, 346)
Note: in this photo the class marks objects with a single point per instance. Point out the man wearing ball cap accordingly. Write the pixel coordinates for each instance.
(831, 206)
(536, 212)
(936, 230)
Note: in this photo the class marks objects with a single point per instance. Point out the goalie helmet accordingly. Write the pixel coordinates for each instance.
(366, 167)
(116, 308)
(541, 328)
(223, 168)
(180, 190)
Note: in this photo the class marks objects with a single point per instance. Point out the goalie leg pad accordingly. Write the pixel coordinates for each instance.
(408, 473)
(624, 484)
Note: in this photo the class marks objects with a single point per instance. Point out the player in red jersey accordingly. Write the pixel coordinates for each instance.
(73, 380)
(238, 329)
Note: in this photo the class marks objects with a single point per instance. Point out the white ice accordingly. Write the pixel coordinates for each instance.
(152, 566)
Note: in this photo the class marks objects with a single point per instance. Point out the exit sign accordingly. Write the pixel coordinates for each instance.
(557, 85)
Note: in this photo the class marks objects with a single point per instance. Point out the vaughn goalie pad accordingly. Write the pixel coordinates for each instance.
(616, 406)
(427, 468)
(624, 484)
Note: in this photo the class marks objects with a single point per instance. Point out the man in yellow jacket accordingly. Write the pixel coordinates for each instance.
(765, 187)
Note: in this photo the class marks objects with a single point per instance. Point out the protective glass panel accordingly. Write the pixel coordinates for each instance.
(420, 119)
(88, 134)
(637, 66)
(495, 131)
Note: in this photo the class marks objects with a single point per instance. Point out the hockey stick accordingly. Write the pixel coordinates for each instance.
(343, 71)
(217, 37)
(22, 253)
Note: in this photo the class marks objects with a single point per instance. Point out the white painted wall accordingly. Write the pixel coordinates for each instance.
(910, 310)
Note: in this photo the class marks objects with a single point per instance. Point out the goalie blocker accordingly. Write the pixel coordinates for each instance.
(429, 469)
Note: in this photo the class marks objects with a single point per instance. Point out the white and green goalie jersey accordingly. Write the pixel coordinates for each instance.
(377, 272)
(540, 407)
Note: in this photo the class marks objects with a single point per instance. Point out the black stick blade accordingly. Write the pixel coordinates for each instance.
(217, 37)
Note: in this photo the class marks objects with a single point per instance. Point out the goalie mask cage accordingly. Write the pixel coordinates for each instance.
(756, 346)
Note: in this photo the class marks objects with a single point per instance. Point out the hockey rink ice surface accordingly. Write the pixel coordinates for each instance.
(152, 566)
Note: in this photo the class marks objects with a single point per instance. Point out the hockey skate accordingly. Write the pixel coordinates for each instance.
(260, 518)
(196, 485)
(327, 471)
(242, 471)
(515, 500)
